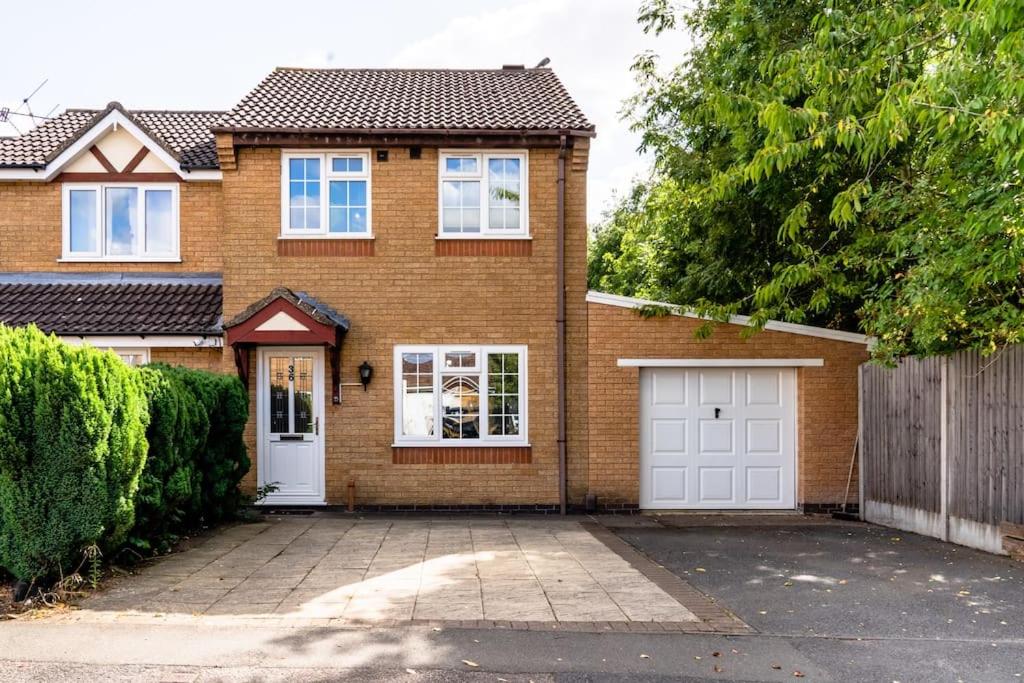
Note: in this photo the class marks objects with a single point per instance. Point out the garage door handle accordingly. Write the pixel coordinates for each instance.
(718, 411)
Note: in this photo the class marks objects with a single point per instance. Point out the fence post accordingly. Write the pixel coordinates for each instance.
(860, 440)
(944, 446)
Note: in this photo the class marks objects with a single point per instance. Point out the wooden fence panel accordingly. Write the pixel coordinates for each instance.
(942, 445)
(901, 433)
(986, 436)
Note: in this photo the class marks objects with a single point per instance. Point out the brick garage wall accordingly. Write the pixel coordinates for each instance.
(827, 396)
(30, 231)
(406, 294)
(211, 360)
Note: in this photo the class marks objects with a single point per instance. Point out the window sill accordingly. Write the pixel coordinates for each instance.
(94, 259)
(461, 444)
(325, 237)
(478, 236)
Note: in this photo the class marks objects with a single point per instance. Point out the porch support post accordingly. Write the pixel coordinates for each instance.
(242, 363)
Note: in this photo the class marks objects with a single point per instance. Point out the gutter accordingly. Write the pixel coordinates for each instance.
(560, 328)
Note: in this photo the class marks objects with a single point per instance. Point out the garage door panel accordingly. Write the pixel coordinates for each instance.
(764, 388)
(764, 485)
(668, 436)
(716, 387)
(764, 436)
(717, 484)
(717, 438)
(668, 485)
(669, 388)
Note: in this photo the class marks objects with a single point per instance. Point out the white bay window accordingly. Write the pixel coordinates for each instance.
(483, 194)
(325, 194)
(120, 222)
(460, 395)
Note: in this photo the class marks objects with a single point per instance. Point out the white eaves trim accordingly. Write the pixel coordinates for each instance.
(774, 325)
(153, 341)
(109, 122)
(721, 362)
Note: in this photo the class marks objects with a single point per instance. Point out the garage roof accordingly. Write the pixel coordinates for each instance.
(774, 325)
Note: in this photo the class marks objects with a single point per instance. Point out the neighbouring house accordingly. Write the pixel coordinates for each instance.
(394, 263)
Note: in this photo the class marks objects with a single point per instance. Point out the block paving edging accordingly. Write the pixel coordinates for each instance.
(713, 617)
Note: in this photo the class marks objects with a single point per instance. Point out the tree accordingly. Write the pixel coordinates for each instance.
(854, 161)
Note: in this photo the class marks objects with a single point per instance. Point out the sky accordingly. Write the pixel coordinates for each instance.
(207, 55)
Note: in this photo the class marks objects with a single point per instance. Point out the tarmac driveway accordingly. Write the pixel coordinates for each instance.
(807, 577)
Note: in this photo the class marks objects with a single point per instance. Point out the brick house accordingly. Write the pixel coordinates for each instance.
(394, 262)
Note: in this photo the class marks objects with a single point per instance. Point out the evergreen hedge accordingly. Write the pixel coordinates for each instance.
(93, 451)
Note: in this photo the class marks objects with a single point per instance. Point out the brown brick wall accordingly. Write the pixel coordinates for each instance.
(30, 231)
(826, 411)
(405, 294)
(197, 359)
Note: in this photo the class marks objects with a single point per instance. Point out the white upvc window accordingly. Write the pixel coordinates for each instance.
(120, 222)
(483, 194)
(326, 194)
(132, 356)
(460, 395)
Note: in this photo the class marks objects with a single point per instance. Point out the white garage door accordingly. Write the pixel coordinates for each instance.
(717, 438)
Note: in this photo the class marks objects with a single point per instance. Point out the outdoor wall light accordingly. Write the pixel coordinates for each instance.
(365, 374)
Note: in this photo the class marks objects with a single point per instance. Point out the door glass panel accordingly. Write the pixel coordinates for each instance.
(279, 415)
(303, 395)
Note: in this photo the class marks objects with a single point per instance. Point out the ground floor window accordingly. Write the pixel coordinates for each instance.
(460, 394)
(132, 356)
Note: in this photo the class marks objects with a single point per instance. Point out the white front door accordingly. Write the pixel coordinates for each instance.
(290, 401)
(717, 438)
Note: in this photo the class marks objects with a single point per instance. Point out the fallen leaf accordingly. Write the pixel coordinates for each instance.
(642, 656)
(716, 654)
(788, 583)
(700, 570)
(411, 671)
(698, 658)
(798, 674)
(718, 669)
(776, 666)
(469, 663)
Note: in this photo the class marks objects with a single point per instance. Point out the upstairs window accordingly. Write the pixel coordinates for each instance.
(483, 195)
(120, 222)
(325, 194)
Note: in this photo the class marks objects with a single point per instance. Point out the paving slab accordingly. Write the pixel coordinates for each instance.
(494, 572)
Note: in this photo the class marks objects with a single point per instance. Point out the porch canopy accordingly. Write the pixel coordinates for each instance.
(287, 318)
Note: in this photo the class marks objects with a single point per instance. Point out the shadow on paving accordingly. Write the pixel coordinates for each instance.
(842, 579)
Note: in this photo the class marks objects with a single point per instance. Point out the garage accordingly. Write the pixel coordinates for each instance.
(717, 438)
(682, 419)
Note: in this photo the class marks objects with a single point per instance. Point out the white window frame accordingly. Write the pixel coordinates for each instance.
(483, 156)
(521, 439)
(123, 351)
(326, 175)
(174, 255)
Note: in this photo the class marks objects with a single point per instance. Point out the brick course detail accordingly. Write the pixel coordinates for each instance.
(503, 455)
(461, 247)
(325, 247)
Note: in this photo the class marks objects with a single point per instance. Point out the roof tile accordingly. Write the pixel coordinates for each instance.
(102, 308)
(407, 99)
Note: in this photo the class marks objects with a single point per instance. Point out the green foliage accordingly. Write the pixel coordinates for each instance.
(75, 476)
(852, 161)
(197, 455)
(72, 447)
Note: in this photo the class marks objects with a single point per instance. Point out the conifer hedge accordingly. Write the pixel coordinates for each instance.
(93, 451)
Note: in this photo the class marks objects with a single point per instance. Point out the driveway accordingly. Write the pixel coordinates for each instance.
(333, 570)
(824, 601)
(805, 577)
